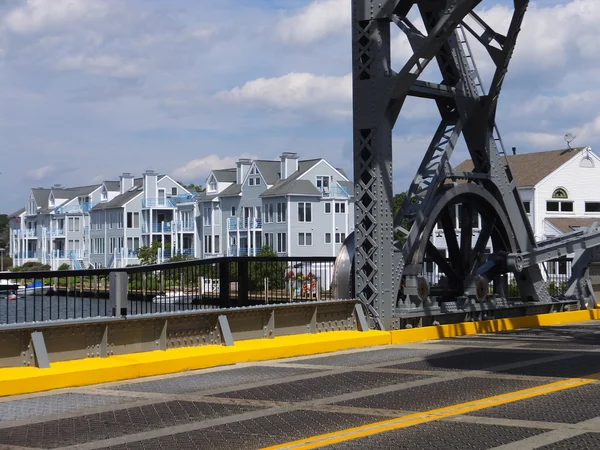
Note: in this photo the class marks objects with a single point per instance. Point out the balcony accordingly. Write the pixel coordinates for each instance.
(75, 209)
(185, 198)
(56, 231)
(158, 202)
(335, 192)
(32, 254)
(26, 233)
(57, 254)
(158, 227)
(244, 224)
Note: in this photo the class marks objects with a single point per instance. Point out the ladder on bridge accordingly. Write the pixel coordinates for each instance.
(466, 48)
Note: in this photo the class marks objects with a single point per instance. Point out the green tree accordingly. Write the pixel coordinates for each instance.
(147, 255)
(273, 270)
(4, 231)
(192, 187)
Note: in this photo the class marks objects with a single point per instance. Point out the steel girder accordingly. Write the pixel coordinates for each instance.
(378, 96)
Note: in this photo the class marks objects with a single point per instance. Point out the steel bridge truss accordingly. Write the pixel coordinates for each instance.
(387, 269)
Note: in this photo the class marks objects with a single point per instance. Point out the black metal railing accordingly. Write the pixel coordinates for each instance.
(186, 285)
(556, 273)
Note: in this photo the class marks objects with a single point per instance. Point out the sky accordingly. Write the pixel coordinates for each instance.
(90, 89)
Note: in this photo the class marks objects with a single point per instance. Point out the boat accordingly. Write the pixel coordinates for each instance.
(8, 286)
(35, 288)
(174, 297)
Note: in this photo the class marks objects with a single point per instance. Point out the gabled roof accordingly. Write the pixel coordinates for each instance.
(120, 200)
(204, 197)
(528, 169)
(570, 224)
(16, 213)
(292, 187)
(269, 170)
(231, 191)
(225, 175)
(113, 186)
(349, 186)
(41, 196)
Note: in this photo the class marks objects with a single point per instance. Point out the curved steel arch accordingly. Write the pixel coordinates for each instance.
(378, 96)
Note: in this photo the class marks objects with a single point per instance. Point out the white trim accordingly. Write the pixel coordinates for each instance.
(174, 181)
(322, 161)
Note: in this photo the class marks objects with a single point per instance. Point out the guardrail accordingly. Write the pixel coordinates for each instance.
(27, 297)
(40, 344)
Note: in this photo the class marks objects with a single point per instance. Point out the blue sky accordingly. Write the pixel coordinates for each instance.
(93, 88)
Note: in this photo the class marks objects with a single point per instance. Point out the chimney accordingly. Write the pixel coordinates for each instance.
(126, 181)
(243, 165)
(289, 164)
(150, 184)
(514, 150)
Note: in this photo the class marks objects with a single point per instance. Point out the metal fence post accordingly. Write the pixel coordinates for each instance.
(118, 293)
(266, 290)
(224, 283)
(242, 297)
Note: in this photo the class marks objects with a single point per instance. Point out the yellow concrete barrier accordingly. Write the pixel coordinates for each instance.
(491, 326)
(24, 380)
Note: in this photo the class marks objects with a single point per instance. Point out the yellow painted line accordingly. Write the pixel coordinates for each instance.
(431, 415)
(84, 372)
(491, 326)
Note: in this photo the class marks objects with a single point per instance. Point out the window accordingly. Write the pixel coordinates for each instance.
(328, 208)
(560, 193)
(251, 181)
(212, 184)
(592, 207)
(104, 195)
(340, 207)
(120, 220)
(340, 237)
(207, 244)
(527, 206)
(304, 212)
(269, 213)
(328, 238)
(552, 206)
(281, 242)
(323, 184)
(74, 224)
(304, 239)
(562, 266)
(268, 238)
(281, 212)
(257, 180)
(233, 211)
(207, 216)
(217, 244)
(133, 220)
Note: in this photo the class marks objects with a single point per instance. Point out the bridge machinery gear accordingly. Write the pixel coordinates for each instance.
(384, 272)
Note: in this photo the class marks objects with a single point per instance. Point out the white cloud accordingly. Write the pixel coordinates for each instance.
(197, 169)
(107, 65)
(316, 21)
(41, 172)
(40, 15)
(296, 91)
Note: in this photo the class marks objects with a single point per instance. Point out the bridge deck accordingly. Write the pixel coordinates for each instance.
(522, 389)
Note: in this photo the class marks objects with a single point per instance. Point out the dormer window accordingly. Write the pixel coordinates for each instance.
(104, 195)
(212, 184)
(51, 201)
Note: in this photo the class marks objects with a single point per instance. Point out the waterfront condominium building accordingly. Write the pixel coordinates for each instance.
(297, 207)
(104, 225)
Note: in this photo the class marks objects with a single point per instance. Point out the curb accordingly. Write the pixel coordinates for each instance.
(85, 372)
